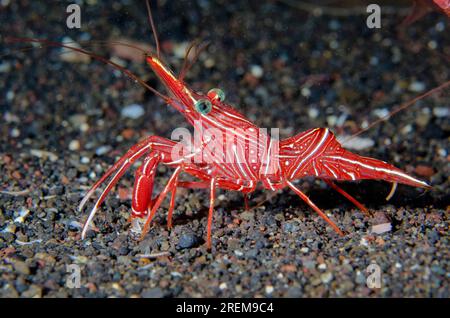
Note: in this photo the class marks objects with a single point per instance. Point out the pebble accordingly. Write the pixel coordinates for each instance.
(187, 240)
(22, 214)
(417, 87)
(223, 286)
(100, 151)
(290, 227)
(360, 278)
(322, 266)
(21, 267)
(247, 215)
(78, 119)
(238, 253)
(326, 277)
(133, 111)
(5, 67)
(152, 293)
(381, 112)
(306, 92)
(10, 228)
(33, 291)
(44, 154)
(15, 133)
(294, 292)
(313, 113)
(381, 228)
(269, 289)
(179, 49)
(441, 112)
(74, 145)
(256, 70)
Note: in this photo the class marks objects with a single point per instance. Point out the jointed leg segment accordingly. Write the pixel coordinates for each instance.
(315, 208)
(348, 196)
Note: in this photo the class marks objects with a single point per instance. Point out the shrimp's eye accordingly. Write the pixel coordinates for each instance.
(216, 93)
(203, 106)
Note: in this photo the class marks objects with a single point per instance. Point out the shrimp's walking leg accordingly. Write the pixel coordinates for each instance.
(348, 196)
(312, 205)
(122, 164)
(183, 184)
(102, 197)
(171, 207)
(212, 195)
(170, 186)
(246, 205)
(155, 143)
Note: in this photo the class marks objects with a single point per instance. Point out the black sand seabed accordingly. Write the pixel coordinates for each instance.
(73, 111)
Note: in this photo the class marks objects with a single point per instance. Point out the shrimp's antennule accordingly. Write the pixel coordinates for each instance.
(152, 25)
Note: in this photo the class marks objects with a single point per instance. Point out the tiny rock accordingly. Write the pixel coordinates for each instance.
(381, 228)
(74, 145)
(326, 277)
(441, 112)
(269, 289)
(21, 267)
(257, 71)
(187, 241)
(102, 150)
(289, 268)
(132, 111)
(417, 87)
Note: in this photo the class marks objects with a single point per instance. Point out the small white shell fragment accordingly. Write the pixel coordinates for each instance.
(381, 228)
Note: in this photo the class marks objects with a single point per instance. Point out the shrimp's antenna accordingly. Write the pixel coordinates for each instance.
(94, 56)
(152, 25)
(186, 64)
(399, 109)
